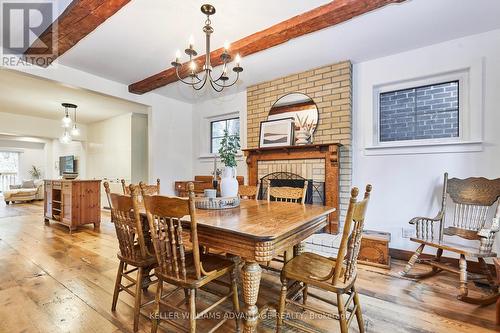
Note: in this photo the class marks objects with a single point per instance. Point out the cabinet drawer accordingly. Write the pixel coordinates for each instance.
(56, 185)
(66, 186)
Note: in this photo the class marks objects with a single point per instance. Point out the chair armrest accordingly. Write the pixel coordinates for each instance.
(417, 219)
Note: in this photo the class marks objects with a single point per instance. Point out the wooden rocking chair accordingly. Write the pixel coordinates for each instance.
(473, 199)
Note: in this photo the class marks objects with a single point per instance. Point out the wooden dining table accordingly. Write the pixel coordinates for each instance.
(257, 232)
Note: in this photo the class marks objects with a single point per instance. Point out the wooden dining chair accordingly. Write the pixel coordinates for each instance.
(148, 189)
(133, 250)
(249, 191)
(333, 275)
(191, 270)
(473, 201)
(287, 194)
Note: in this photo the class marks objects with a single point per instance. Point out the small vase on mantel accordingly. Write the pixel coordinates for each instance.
(229, 183)
(302, 137)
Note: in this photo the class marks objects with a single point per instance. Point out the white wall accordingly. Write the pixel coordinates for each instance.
(139, 147)
(109, 151)
(409, 185)
(170, 142)
(225, 106)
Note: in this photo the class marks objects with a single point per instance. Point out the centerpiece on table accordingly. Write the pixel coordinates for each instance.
(230, 145)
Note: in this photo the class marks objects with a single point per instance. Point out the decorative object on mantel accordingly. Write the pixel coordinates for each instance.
(219, 82)
(230, 145)
(217, 203)
(67, 136)
(304, 111)
(276, 133)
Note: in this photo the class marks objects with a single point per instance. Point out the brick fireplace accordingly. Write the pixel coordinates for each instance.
(330, 88)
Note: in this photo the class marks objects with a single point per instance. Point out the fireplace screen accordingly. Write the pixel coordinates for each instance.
(315, 190)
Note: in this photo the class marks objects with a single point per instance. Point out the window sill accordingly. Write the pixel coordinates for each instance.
(407, 148)
(239, 156)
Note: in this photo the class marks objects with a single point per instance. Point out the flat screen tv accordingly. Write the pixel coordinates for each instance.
(67, 164)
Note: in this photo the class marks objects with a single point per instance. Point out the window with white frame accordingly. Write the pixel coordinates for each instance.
(420, 112)
(217, 128)
(428, 111)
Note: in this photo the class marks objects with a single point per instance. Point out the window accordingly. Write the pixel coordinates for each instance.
(420, 113)
(217, 129)
(9, 169)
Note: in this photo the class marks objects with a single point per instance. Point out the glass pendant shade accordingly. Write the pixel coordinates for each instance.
(66, 121)
(75, 131)
(65, 138)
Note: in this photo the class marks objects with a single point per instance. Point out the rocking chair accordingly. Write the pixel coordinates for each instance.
(473, 199)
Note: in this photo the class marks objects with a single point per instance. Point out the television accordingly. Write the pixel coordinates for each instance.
(67, 164)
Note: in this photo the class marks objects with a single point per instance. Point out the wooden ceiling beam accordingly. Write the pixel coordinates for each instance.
(325, 16)
(79, 19)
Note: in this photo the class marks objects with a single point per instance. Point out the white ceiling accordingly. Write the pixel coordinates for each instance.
(141, 39)
(45, 98)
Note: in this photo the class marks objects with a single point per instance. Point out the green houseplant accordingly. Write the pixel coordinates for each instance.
(230, 145)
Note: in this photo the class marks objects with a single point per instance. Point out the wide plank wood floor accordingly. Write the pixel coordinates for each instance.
(51, 281)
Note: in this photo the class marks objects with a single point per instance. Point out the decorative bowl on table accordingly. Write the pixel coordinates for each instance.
(217, 203)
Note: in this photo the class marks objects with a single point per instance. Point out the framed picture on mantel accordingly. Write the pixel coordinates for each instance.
(276, 133)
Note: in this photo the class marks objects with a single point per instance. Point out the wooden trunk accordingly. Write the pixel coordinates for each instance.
(73, 202)
(375, 249)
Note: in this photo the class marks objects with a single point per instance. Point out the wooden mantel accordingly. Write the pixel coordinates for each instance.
(327, 151)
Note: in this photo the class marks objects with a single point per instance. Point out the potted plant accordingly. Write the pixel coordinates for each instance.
(230, 145)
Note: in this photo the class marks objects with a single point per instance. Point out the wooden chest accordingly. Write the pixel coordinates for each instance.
(375, 249)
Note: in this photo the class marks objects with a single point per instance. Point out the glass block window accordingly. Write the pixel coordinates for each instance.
(217, 131)
(419, 113)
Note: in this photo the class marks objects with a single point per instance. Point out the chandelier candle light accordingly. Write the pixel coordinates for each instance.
(217, 83)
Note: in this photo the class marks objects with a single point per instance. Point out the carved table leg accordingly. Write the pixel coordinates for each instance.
(251, 274)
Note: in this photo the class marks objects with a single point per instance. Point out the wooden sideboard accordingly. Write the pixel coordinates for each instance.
(73, 202)
(201, 183)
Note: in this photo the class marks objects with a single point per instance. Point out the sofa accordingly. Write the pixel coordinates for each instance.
(29, 190)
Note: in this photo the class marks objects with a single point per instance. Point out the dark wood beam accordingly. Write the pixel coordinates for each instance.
(325, 16)
(79, 19)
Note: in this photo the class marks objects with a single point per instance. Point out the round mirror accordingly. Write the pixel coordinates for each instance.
(304, 111)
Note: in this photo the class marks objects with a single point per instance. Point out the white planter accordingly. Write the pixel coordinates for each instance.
(228, 183)
(302, 137)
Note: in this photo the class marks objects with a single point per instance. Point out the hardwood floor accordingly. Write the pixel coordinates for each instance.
(51, 281)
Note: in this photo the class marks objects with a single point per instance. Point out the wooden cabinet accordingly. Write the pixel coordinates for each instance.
(73, 202)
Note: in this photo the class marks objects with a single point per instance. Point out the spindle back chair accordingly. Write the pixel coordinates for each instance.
(473, 202)
(287, 194)
(334, 275)
(248, 191)
(145, 188)
(133, 249)
(170, 218)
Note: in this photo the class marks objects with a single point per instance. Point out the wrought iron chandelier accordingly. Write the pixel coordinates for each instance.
(219, 82)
